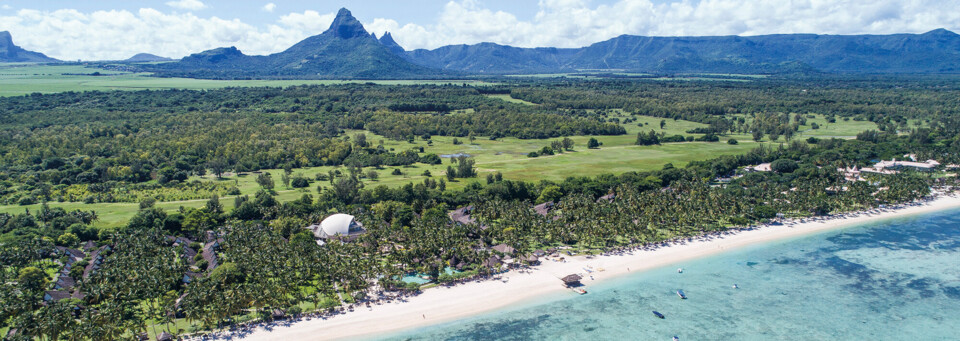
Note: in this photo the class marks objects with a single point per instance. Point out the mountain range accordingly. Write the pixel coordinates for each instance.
(347, 50)
(10, 53)
(937, 51)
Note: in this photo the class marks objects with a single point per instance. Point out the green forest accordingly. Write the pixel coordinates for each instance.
(243, 253)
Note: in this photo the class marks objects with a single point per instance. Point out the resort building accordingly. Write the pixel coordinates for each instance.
(572, 280)
(462, 215)
(544, 208)
(504, 249)
(55, 295)
(338, 225)
(895, 165)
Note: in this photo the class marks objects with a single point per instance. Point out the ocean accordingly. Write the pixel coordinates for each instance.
(893, 280)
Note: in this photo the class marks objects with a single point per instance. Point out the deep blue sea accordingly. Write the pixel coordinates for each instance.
(894, 280)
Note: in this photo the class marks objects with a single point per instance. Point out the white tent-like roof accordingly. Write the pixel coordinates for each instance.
(334, 225)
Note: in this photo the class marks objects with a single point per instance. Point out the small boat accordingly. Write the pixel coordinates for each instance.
(735, 286)
(679, 270)
(681, 294)
(676, 338)
(658, 314)
(580, 291)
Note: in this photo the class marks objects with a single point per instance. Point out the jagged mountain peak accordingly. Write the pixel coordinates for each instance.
(387, 40)
(346, 26)
(6, 38)
(9, 52)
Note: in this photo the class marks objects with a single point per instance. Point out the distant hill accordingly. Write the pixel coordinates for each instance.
(937, 51)
(147, 58)
(345, 50)
(490, 58)
(10, 53)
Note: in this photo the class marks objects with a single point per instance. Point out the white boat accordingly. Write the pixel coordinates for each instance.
(681, 294)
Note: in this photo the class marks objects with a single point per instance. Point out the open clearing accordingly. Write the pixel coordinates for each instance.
(24, 79)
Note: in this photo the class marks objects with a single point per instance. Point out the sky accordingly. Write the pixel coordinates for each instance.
(114, 29)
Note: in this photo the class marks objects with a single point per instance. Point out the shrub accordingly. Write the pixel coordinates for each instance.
(592, 143)
(147, 203)
(708, 138)
(299, 182)
(783, 166)
(732, 141)
(674, 139)
(430, 159)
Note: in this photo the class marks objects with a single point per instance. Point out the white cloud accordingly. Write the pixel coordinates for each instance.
(109, 35)
(270, 7)
(193, 5)
(575, 23)
(71, 34)
(308, 21)
(6, 7)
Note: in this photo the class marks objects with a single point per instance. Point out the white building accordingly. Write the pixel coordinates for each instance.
(895, 165)
(343, 225)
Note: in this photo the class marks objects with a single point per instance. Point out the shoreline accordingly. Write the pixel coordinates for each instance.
(444, 304)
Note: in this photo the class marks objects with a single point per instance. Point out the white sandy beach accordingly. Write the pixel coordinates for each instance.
(442, 304)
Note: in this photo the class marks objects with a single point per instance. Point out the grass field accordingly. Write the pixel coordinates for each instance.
(507, 98)
(507, 155)
(617, 154)
(23, 79)
(839, 129)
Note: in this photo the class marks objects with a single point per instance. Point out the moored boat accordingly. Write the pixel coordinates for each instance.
(658, 314)
(681, 294)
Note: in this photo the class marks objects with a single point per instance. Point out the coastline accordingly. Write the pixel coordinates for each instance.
(444, 304)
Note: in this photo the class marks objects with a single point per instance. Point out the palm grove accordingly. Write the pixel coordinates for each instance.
(208, 266)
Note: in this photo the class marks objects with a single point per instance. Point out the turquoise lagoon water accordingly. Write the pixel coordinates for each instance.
(895, 280)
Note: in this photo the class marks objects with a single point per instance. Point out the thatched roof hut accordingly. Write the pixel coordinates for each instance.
(544, 208)
(492, 262)
(504, 249)
(55, 295)
(572, 280)
(531, 259)
(462, 215)
(607, 198)
(164, 337)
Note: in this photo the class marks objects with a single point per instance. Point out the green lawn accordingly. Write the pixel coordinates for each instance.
(507, 98)
(22, 79)
(839, 129)
(507, 155)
